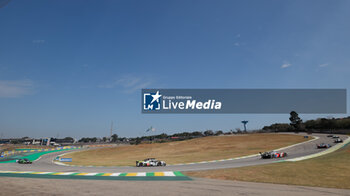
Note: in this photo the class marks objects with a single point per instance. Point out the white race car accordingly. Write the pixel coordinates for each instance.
(150, 162)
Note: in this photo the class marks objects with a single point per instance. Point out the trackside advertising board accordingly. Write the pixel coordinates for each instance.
(65, 159)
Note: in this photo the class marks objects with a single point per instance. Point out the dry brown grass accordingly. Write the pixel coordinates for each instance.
(332, 170)
(195, 150)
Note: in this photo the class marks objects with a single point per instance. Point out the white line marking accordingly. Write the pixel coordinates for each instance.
(23, 172)
(43, 172)
(7, 171)
(168, 173)
(67, 173)
(141, 174)
(90, 174)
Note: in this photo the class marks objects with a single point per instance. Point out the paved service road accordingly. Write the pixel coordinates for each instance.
(45, 164)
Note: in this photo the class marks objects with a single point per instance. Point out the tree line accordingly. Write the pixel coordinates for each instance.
(114, 138)
(320, 125)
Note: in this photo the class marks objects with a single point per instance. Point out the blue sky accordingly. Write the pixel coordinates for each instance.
(69, 68)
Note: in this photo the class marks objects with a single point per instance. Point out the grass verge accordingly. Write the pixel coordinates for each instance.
(332, 171)
(195, 150)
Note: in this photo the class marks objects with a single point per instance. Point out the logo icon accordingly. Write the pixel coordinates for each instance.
(151, 101)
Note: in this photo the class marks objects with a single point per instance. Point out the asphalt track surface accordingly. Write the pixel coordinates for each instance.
(45, 164)
(198, 186)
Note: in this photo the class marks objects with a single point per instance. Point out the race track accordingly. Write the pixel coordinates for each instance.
(45, 164)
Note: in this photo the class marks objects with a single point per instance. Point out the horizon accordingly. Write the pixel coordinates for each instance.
(152, 133)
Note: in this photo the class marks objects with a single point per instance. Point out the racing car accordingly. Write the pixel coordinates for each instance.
(338, 140)
(323, 145)
(150, 162)
(335, 136)
(272, 154)
(23, 161)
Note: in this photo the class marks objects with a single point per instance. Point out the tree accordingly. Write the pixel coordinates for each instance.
(138, 141)
(122, 139)
(197, 134)
(114, 137)
(277, 127)
(14, 142)
(208, 133)
(295, 120)
(69, 139)
(84, 140)
(219, 132)
(161, 136)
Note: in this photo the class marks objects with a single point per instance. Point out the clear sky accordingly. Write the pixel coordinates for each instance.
(68, 68)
